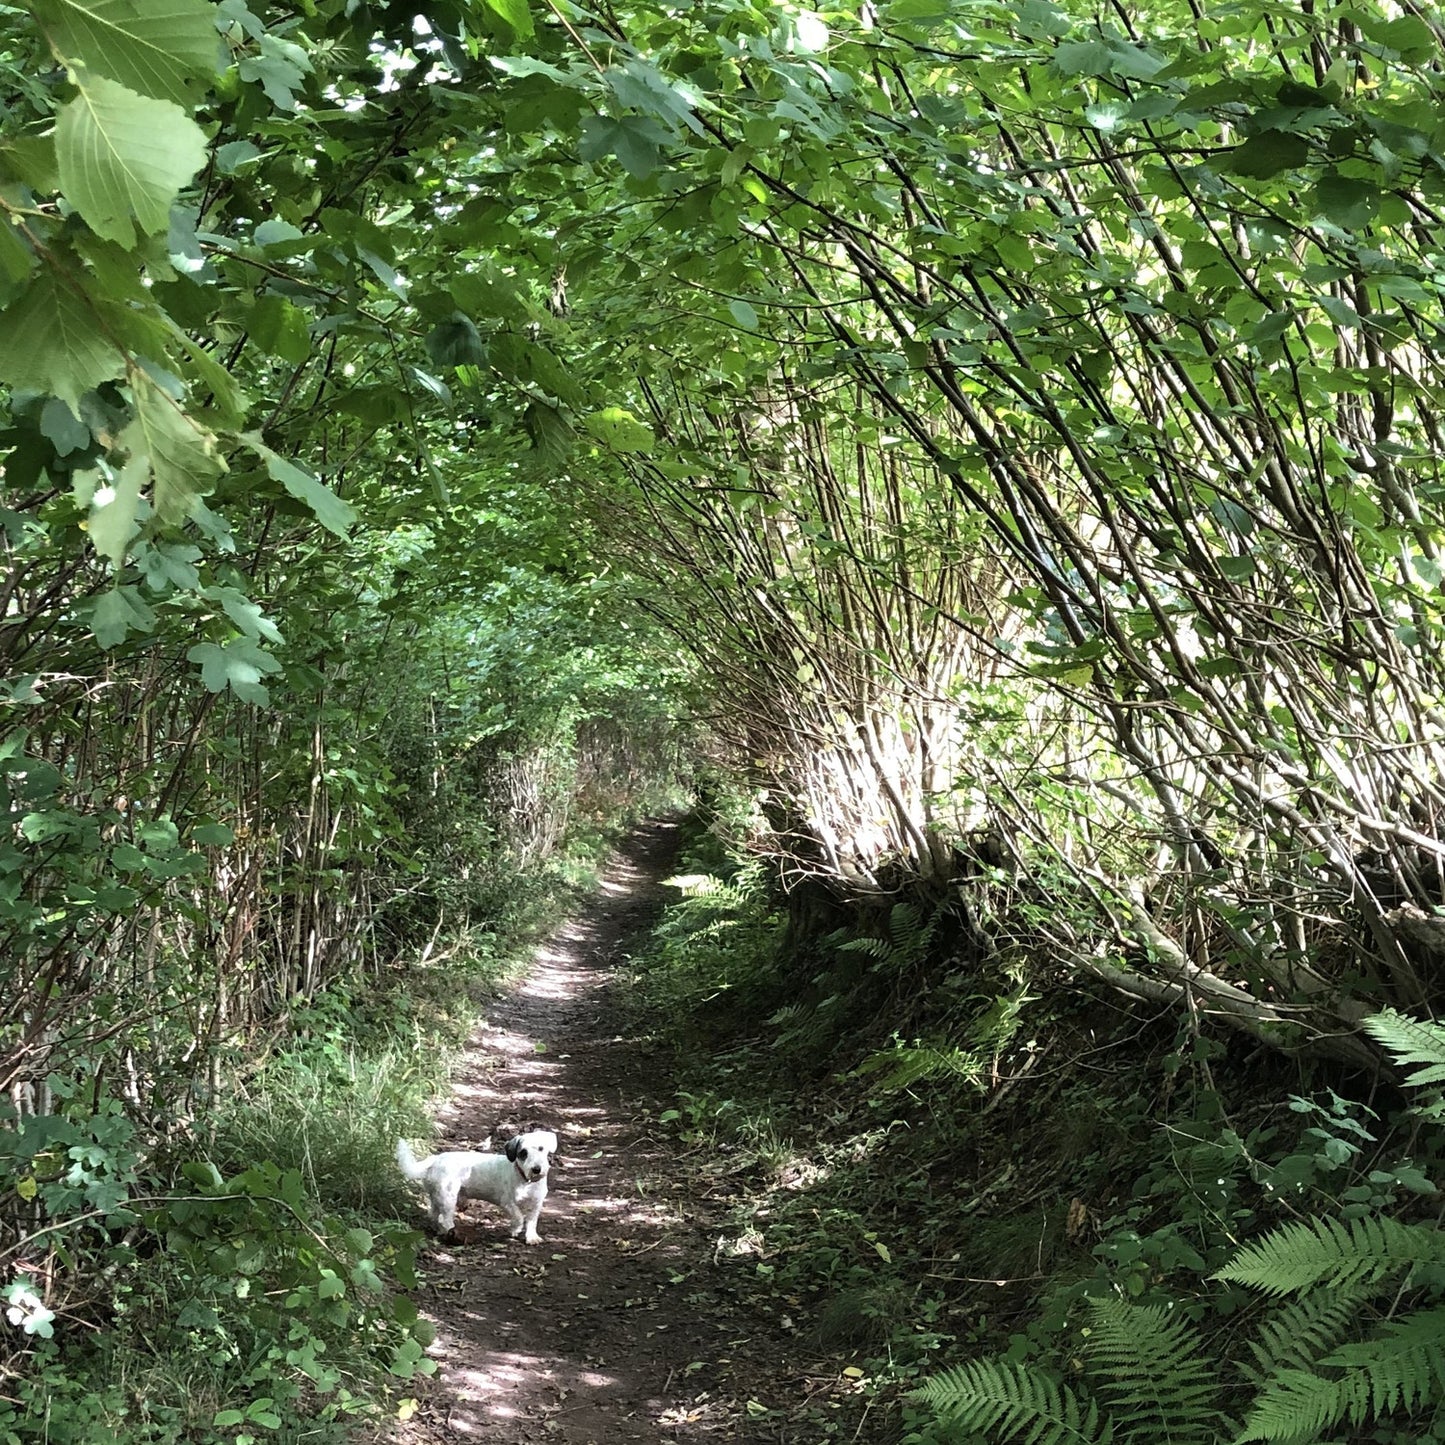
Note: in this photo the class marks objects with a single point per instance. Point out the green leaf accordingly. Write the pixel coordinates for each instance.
(635, 140)
(333, 514)
(62, 428)
(118, 613)
(53, 340)
(17, 261)
(157, 47)
(123, 158)
(744, 315)
(114, 510)
(281, 329)
(516, 14)
(247, 615)
(183, 459)
(281, 68)
(616, 427)
(1347, 202)
(1410, 36)
(456, 342)
(238, 664)
(229, 400)
(1268, 153)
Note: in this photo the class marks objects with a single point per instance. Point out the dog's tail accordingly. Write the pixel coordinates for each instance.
(408, 1161)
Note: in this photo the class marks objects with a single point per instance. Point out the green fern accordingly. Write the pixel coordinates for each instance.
(1411, 1041)
(1400, 1368)
(1161, 1387)
(909, 1064)
(1337, 1252)
(1300, 1334)
(910, 935)
(1013, 1401)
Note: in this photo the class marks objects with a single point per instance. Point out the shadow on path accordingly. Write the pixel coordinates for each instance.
(615, 1328)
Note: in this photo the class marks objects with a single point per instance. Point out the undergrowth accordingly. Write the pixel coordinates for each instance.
(1026, 1185)
(255, 1263)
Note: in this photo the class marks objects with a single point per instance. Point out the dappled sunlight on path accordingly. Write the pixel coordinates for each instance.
(609, 1331)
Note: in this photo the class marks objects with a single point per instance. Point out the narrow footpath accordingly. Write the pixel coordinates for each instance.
(620, 1327)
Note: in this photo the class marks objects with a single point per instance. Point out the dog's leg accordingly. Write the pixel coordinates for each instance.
(527, 1227)
(444, 1208)
(518, 1219)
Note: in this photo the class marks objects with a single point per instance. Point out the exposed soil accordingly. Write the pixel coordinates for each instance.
(622, 1325)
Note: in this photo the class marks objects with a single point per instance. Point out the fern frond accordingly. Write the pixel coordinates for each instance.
(698, 885)
(1410, 1041)
(1296, 1405)
(1339, 1252)
(874, 947)
(1401, 1368)
(1161, 1386)
(908, 1065)
(908, 930)
(1301, 1333)
(1014, 1401)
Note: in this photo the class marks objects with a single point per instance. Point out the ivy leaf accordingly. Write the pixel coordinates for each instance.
(157, 47)
(51, 341)
(62, 428)
(1038, 18)
(1106, 58)
(123, 158)
(238, 664)
(247, 615)
(516, 14)
(281, 68)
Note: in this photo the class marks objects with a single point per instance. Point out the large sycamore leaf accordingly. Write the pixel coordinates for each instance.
(157, 47)
(123, 158)
(238, 664)
(52, 341)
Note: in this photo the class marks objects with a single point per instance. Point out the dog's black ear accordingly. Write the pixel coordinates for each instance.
(513, 1145)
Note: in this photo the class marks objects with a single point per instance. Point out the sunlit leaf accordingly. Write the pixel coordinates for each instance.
(54, 339)
(159, 48)
(124, 158)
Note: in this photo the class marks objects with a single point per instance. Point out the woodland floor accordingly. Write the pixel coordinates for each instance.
(623, 1326)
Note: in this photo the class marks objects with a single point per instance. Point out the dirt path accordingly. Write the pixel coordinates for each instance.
(619, 1327)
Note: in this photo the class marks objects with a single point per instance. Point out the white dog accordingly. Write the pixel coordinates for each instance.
(515, 1179)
